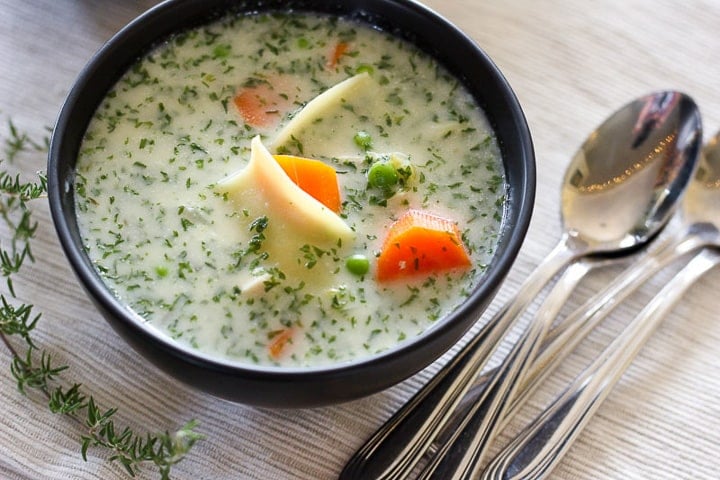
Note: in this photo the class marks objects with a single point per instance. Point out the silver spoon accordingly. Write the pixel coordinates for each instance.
(620, 189)
(538, 448)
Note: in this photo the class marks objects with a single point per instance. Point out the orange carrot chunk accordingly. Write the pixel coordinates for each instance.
(421, 243)
(278, 342)
(261, 105)
(316, 178)
(340, 49)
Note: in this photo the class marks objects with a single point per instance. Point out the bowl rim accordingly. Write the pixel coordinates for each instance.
(61, 165)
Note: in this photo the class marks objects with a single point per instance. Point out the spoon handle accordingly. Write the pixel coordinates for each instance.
(461, 454)
(518, 376)
(463, 451)
(570, 330)
(558, 295)
(396, 448)
(539, 447)
(563, 339)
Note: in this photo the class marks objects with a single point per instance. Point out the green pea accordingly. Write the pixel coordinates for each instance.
(382, 175)
(358, 264)
(363, 140)
(365, 68)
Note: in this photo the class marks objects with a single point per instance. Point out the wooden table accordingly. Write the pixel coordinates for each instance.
(571, 64)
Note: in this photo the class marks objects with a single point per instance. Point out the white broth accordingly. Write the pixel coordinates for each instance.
(182, 231)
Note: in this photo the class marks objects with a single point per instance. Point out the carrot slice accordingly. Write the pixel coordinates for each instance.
(278, 342)
(314, 177)
(262, 104)
(340, 49)
(419, 243)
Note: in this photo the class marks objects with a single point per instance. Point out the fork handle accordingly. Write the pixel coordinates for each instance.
(540, 446)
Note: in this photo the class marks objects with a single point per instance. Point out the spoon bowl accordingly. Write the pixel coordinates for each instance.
(623, 183)
(701, 206)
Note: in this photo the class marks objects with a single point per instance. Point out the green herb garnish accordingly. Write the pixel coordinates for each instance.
(363, 140)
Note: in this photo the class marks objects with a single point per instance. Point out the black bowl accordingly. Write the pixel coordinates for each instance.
(296, 387)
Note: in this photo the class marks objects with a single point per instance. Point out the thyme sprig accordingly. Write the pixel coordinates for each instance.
(34, 368)
(18, 142)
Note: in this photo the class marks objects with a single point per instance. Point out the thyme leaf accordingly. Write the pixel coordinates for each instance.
(18, 142)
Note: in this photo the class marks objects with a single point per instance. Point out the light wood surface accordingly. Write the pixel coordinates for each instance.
(571, 64)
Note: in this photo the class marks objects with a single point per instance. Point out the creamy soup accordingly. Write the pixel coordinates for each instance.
(289, 190)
